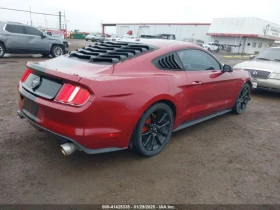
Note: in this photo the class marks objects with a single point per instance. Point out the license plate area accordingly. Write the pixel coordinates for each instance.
(30, 107)
(255, 85)
(47, 87)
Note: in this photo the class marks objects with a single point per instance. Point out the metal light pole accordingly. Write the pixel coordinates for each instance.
(59, 20)
(30, 15)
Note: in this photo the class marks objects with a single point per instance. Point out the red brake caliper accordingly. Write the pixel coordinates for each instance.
(147, 122)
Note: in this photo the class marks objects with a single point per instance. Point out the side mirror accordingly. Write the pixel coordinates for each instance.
(227, 68)
(43, 36)
(252, 56)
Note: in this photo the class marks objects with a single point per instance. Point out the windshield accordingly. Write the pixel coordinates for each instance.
(270, 54)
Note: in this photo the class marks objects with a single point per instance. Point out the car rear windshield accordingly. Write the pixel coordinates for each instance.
(270, 54)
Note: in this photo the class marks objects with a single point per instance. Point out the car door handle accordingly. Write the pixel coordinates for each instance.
(196, 83)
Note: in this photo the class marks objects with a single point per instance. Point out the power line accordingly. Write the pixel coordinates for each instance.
(38, 13)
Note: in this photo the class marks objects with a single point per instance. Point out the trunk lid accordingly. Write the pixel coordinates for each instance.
(74, 68)
(52, 74)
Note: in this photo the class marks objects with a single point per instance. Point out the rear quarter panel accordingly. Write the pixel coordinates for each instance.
(135, 85)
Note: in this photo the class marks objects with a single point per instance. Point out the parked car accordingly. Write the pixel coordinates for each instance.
(113, 96)
(159, 36)
(113, 38)
(98, 38)
(276, 44)
(127, 38)
(211, 47)
(264, 69)
(60, 36)
(23, 39)
(195, 41)
(89, 36)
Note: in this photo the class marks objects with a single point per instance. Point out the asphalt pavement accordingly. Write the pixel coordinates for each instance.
(226, 160)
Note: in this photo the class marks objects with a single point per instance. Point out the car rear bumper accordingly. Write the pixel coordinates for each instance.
(89, 127)
(271, 84)
(65, 139)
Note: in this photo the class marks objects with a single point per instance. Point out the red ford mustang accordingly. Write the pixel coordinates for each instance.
(117, 95)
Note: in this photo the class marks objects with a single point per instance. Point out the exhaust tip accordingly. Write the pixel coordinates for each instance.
(68, 148)
(21, 116)
(63, 152)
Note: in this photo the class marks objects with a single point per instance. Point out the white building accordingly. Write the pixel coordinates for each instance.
(239, 35)
(249, 35)
(182, 31)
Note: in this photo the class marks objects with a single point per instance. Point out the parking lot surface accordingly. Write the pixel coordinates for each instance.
(226, 160)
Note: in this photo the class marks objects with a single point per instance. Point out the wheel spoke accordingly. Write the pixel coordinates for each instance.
(152, 118)
(165, 124)
(239, 105)
(158, 141)
(147, 141)
(245, 93)
(163, 134)
(147, 133)
(163, 117)
(238, 102)
(242, 105)
(152, 143)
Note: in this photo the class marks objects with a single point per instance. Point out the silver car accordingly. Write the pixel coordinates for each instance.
(264, 69)
(23, 39)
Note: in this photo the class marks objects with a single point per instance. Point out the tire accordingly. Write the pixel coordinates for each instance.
(57, 50)
(2, 50)
(242, 99)
(153, 131)
(86, 39)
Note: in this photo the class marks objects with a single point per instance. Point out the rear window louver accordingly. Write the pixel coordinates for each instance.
(110, 52)
(168, 62)
(94, 50)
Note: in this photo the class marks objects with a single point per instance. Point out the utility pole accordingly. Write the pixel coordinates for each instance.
(59, 20)
(65, 24)
(30, 15)
(46, 22)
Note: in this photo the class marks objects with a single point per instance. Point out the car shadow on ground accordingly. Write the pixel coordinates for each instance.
(8, 56)
(130, 157)
(266, 94)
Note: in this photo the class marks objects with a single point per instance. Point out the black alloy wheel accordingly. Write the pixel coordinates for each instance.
(242, 100)
(2, 50)
(153, 130)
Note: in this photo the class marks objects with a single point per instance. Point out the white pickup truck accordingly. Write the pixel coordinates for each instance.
(211, 47)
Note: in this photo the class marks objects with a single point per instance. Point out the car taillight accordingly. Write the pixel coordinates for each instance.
(26, 74)
(72, 95)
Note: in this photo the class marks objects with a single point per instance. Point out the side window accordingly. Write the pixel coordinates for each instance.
(194, 60)
(17, 29)
(33, 31)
